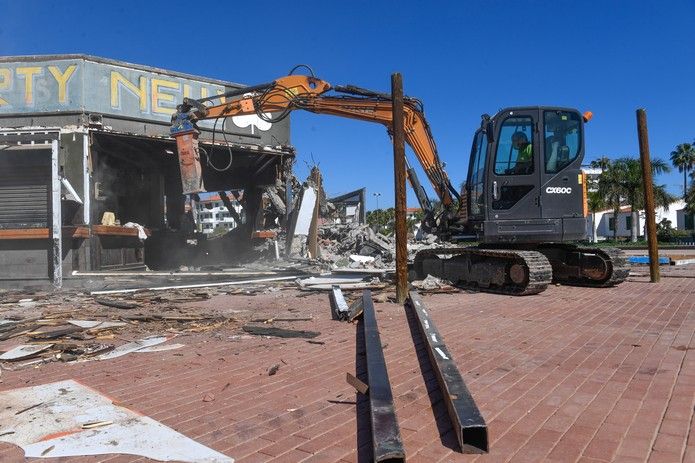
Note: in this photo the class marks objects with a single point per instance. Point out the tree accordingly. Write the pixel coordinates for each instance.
(683, 157)
(595, 203)
(690, 196)
(382, 220)
(622, 183)
(600, 163)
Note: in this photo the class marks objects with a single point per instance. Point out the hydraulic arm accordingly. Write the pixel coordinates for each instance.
(275, 100)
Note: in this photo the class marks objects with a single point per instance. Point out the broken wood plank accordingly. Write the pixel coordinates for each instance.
(278, 332)
(59, 332)
(116, 304)
(280, 319)
(359, 386)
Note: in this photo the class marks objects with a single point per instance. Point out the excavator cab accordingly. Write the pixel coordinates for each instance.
(525, 183)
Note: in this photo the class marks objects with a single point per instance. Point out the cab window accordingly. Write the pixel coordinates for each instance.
(562, 139)
(515, 147)
(478, 174)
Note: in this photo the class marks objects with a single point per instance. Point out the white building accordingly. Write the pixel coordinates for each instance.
(603, 223)
(212, 213)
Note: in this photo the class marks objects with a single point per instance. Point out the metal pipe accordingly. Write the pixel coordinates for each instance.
(56, 218)
(86, 170)
(650, 213)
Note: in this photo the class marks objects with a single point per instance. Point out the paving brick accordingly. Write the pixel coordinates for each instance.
(572, 374)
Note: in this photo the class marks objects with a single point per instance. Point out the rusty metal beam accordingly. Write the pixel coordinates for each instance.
(386, 435)
(469, 425)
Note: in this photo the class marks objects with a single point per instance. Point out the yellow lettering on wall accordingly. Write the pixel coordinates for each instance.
(159, 96)
(140, 91)
(28, 73)
(204, 94)
(221, 92)
(5, 81)
(62, 79)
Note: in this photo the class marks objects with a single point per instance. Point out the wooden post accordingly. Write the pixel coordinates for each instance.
(399, 176)
(648, 195)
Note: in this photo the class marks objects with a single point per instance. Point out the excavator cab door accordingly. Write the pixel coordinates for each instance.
(562, 195)
(513, 168)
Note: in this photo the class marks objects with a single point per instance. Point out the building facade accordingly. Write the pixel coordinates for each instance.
(86, 158)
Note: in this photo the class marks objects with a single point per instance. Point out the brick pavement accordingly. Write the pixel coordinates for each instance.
(572, 374)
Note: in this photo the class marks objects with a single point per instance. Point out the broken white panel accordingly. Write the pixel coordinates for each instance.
(306, 212)
(25, 351)
(89, 324)
(163, 348)
(332, 280)
(361, 259)
(132, 347)
(53, 428)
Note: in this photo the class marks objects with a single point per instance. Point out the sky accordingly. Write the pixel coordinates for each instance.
(461, 58)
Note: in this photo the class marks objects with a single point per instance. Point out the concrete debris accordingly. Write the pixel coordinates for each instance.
(339, 242)
(433, 284)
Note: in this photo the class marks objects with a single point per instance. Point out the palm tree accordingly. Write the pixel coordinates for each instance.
(690, 196)
(622, 183)
(683, 157)
(610, 190)
(601, 163)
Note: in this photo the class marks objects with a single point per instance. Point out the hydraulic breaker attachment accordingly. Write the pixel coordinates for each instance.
(186, 135)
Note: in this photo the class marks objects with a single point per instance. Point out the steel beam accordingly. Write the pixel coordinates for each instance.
(56, 218)
(86, 183)
(469, 425)
(386, 435)
(340, 307)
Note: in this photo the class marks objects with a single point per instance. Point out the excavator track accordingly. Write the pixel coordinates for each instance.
(595, 267)
(500, 271)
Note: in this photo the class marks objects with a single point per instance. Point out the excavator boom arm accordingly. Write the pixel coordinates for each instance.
(308, 93)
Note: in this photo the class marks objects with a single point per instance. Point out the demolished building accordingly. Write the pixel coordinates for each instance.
(88, 169)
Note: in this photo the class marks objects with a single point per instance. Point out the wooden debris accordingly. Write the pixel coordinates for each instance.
(29, 408)
(359, 386)
(95, 424)
(116, 304)
(278, 332)
(280, 319)
(59, 332)
(48, 450)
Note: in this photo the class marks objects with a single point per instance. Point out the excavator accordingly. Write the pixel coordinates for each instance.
(524, 201)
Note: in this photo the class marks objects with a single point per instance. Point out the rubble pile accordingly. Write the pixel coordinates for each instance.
(35, 329)
(356, 246)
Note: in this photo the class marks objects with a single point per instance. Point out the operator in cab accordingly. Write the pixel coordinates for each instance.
(524, 160)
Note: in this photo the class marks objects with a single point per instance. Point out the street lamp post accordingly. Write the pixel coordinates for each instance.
(378, 212)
